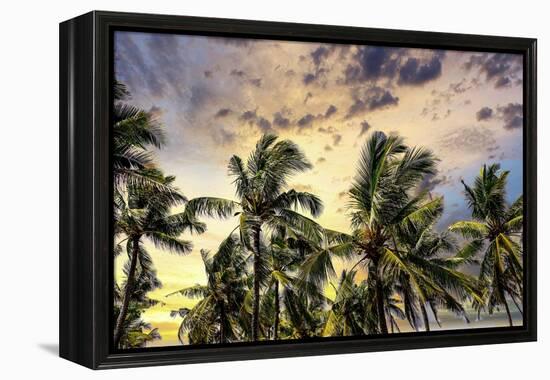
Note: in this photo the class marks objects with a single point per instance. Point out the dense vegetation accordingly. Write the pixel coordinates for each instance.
(268, 279)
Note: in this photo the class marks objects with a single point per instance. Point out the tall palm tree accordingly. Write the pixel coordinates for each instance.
(264, 201)
(144, 212)
(496, 228)
(215, 317)
(134, 334)
(383, 197)
(424, 274)
(382, 200)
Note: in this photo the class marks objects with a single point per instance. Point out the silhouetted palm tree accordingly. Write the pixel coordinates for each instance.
(425, 273)
(214, 319)
(264, 201)
(134, 334)
(381, 201)
(496, 228)
(145, 213)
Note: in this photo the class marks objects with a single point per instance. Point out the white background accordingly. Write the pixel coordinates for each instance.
(29, 187)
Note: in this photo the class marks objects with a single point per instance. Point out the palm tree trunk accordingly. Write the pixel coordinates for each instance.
(277, 312)
(425, 316)
(256, 303)
(380, 307)
(127, 292)
(379, 298)
(508, 312)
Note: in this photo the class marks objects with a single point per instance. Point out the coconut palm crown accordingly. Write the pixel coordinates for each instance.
(495, 231)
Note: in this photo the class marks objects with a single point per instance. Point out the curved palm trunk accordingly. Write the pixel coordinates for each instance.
(425, 317)
(517, 304)
(502, 294)
(277, 312)
(508, 312)
(127, 292)
(256, 302)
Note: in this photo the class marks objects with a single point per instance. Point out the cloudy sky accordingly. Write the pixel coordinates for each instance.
(217, 96)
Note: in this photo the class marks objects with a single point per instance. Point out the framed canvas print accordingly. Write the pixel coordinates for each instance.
(237, 189)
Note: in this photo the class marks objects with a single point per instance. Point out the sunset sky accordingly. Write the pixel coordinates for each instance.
(217, 96)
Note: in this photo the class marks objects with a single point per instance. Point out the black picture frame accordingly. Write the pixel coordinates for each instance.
(85, 256)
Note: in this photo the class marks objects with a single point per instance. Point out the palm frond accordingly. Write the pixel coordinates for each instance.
(413, 166)
(470, 229)
(423, 214)
(467, 254)
(212, 207)
(515, 224)
(170, 243)
(240, 175)
(297, 223)
(195, 291)
(294, 199)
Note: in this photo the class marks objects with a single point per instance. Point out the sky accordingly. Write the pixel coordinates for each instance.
(217, 96)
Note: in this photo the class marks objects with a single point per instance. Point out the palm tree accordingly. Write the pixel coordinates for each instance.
(423, 273)
(382, 199)
(287, 255)
(495, 228)
(263, 201)
(145, 213)
(134, 334)
(215, 317)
